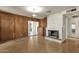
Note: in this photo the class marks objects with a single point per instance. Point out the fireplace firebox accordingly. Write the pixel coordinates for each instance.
(53, 34)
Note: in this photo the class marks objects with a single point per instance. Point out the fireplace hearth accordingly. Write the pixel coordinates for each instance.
(53, 34)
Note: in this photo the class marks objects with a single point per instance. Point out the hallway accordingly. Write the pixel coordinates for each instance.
(39, 44)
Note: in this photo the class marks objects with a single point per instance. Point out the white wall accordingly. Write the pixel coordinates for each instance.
(55, 22)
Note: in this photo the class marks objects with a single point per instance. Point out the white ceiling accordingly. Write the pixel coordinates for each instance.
(47, 10)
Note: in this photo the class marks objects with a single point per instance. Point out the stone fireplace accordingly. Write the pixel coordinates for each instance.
(53, 34)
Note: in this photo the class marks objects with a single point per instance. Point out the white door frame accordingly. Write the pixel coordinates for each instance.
(65, 25)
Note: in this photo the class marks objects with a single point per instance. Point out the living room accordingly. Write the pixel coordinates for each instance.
(39, 29)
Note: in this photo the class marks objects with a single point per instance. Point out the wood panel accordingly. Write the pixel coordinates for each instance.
(17, 27)
(12, 26)
(7, 25)
(40, 31)
(21, 28)
(25, 26)
(0, 28)
(43, 22)
(43, 25)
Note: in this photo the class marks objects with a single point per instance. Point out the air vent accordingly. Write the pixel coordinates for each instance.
(75, 16)
(71, 10)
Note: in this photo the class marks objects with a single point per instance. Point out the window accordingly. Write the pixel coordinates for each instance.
(73, 28)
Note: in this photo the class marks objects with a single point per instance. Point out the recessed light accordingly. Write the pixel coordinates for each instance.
(34, 9)
(34, 15)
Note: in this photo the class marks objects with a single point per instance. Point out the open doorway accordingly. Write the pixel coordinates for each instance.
(33, 28)
(71, 25)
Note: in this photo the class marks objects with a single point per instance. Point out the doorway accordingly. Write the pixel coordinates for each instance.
(33, 28)
(71, 25)
(74, 27)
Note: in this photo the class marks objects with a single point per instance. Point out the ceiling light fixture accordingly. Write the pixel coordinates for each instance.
(34, 9)
(34, 15)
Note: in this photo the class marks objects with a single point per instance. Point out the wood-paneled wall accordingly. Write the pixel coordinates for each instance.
(6, 27)
(15, 26)
(21, 27)
(0, 29)
(12, 26)
(42, 26)
(43, 22)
